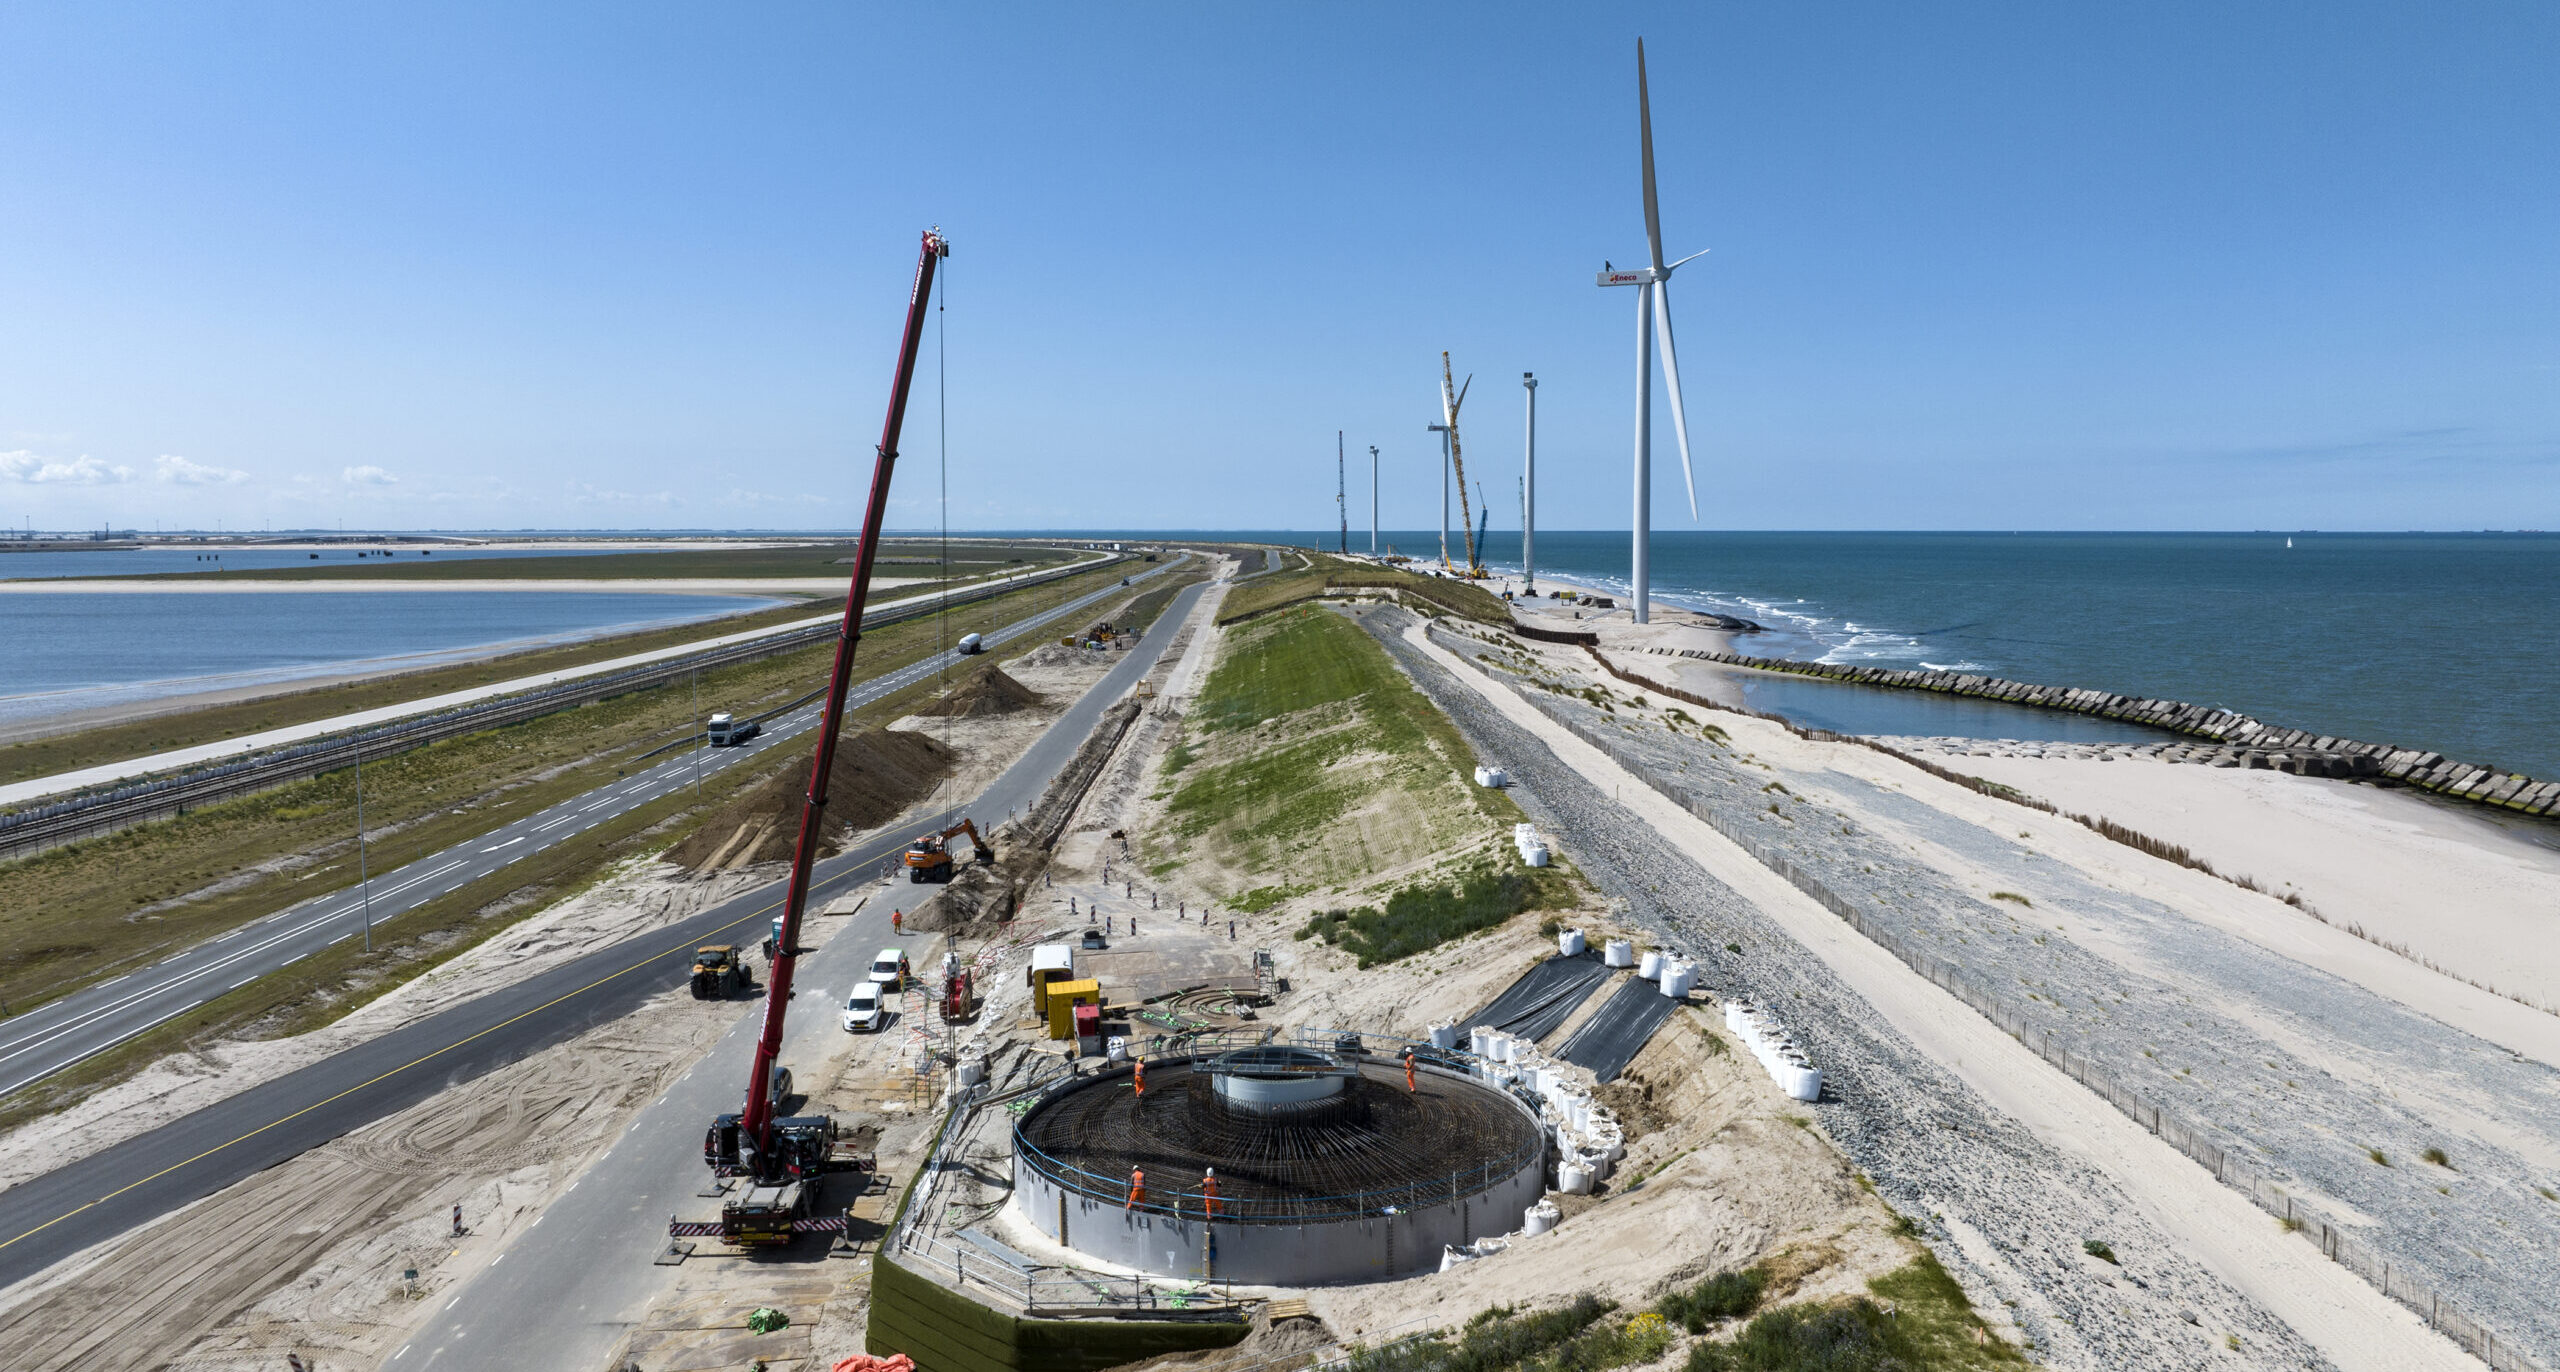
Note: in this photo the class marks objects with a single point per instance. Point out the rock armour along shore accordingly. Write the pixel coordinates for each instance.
(2242, 741)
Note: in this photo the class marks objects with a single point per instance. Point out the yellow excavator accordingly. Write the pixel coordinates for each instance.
(929, 857)
(1451, 397)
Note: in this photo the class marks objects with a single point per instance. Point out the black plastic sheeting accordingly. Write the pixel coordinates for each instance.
(1609, 1040)
(1544, 997)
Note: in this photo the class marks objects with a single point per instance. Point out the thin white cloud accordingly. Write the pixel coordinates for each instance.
(587, 493)
(752, 499)
(34, 470)
(368, 475)
(187, 472)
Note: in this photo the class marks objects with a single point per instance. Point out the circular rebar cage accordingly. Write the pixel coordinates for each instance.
(1375, 1145)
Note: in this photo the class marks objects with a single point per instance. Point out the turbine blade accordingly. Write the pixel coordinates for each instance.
(1671, 374)
(1462, 393)
(1644, 120)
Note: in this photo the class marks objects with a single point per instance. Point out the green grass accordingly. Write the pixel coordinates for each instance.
(1724, 1296)
(1357, 772)
(1931, 1326)
(1570, 1337)
(335, 982)
(1463, 599)
(114, 743)
(75, 914)
(211, 724)
(1422, 917)
(1262, 898)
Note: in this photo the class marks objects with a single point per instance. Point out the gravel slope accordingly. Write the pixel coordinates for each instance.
(2006, 1212)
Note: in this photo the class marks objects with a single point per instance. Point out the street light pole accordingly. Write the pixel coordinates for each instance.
(700, 734)
(1443, 431)
(1373, 500)
(1529, 494)
(364, 875)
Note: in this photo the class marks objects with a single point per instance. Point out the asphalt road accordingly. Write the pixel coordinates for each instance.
(565, 1290)
(51, 1037)
(98, 1197)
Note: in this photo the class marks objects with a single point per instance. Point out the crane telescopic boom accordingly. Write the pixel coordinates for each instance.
(756, 1124)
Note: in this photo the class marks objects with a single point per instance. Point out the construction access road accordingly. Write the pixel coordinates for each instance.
(597, 1259)
(566, 1290)
(51, 1037)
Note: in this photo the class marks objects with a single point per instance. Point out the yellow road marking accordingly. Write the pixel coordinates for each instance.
(429, 1057)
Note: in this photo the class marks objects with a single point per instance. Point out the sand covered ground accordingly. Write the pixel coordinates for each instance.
(2466, 890)
(256, 1269)
(2011, 1163)
(633, 898)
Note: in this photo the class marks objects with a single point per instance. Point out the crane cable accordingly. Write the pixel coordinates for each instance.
(942, 500)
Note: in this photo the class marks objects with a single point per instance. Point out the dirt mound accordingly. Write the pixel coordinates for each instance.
(986, 691)
(877, 775)
(981, 893)
(1055, 655)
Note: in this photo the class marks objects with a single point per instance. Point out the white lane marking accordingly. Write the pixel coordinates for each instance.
(129, 1033)
(26, 1043)
(508, 844)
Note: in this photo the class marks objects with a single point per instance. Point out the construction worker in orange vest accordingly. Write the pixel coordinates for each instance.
(898, 921)
(1137, 1189)
(1209, 1194)
(1140, 1075)
(1408, 1070)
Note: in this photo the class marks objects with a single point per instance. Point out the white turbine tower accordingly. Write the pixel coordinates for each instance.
(1653, 315)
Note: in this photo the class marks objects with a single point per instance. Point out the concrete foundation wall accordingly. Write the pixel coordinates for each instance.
(1363, 1249)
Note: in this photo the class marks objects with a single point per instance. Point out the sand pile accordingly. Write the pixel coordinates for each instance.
(877, 775)
(1055, 655)
(979, 893)
(986, 691)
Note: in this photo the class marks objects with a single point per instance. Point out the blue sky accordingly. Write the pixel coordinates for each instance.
(1974, 266)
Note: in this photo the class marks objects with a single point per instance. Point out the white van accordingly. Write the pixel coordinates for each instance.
(889, 970)
(865, 1010)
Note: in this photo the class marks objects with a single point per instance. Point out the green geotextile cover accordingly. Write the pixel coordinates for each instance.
(766, 1319)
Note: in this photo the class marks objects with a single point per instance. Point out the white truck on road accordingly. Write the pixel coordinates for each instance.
(727, 732)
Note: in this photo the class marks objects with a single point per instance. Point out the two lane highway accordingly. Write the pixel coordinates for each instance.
(51, 1037)
(111, 1192)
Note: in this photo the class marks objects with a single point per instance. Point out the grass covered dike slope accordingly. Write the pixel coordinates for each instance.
(1310, 763)
(1917, 1320)
(1323, 574)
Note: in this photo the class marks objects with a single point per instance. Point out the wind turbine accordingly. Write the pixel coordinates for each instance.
(1653, 315)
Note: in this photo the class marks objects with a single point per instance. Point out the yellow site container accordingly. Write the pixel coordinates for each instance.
(1063, 996)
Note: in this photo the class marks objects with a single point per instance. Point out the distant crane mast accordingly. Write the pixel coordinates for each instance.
(1341, 509)
(1451, 397)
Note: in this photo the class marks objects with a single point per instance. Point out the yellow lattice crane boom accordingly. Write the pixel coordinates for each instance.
(1451, 397)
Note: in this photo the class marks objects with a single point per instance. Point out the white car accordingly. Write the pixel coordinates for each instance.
(889, 970)
(865, 1011)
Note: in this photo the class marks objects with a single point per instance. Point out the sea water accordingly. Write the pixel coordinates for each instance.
(2437, 641)
(76, 651)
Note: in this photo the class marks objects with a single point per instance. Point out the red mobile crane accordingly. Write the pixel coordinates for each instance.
(782, 1156)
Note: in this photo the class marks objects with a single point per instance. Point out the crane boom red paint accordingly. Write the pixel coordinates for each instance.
(756, 1125)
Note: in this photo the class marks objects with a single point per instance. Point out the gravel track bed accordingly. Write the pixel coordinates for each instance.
(2004, 1211)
